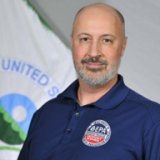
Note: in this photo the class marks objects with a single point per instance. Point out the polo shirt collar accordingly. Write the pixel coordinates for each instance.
(111, 99)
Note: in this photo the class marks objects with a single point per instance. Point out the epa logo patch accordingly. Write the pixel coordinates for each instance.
(97, 134)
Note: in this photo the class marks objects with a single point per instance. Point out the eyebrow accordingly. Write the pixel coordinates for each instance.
(86, 34)
(109, 35)
(103, 35)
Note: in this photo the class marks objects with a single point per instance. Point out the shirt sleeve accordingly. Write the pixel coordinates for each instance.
(24, 153)
(152, 143)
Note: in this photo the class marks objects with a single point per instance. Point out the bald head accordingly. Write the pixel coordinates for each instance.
(100, 7)
(98, 33)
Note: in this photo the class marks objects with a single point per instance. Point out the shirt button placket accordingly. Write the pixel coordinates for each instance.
(77, 114)
(71, 126)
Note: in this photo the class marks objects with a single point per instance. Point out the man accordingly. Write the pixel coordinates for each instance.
(97, 117)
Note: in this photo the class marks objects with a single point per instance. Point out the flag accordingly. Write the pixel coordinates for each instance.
(35, 66)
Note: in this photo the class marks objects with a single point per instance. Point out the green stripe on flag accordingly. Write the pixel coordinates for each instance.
(38, 14)
(11, 148)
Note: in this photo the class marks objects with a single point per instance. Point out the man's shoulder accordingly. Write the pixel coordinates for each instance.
(151, 107)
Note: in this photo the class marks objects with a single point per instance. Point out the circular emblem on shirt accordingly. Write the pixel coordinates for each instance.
(97, 134)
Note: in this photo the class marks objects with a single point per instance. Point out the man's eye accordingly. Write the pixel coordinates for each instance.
(84, 39)
(107, 40)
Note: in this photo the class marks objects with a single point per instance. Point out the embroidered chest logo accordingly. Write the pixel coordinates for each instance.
(97, 134)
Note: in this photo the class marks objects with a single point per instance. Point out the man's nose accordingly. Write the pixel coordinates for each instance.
(94, 49)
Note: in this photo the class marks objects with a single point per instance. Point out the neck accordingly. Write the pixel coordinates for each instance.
(88, 94)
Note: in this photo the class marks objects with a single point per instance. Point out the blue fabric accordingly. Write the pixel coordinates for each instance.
(57, 128)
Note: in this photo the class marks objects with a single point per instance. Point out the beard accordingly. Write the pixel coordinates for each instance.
(96, 77)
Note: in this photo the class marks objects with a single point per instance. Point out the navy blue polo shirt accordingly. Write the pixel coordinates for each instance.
(122, 125)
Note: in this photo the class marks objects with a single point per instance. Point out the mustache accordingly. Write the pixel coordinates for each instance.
(96, 59)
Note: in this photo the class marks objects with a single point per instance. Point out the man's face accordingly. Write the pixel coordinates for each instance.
(98, 43)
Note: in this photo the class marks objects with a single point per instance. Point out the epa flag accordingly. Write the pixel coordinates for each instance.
(35, 66)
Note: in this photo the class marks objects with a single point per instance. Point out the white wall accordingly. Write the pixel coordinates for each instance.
(140, 64)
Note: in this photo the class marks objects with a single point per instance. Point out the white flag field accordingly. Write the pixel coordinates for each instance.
(35, 66)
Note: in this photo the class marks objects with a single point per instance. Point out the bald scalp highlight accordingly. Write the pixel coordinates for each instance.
(118, 13)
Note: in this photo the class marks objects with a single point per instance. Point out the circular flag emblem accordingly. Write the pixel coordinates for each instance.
(16, 111)
(97, 134)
